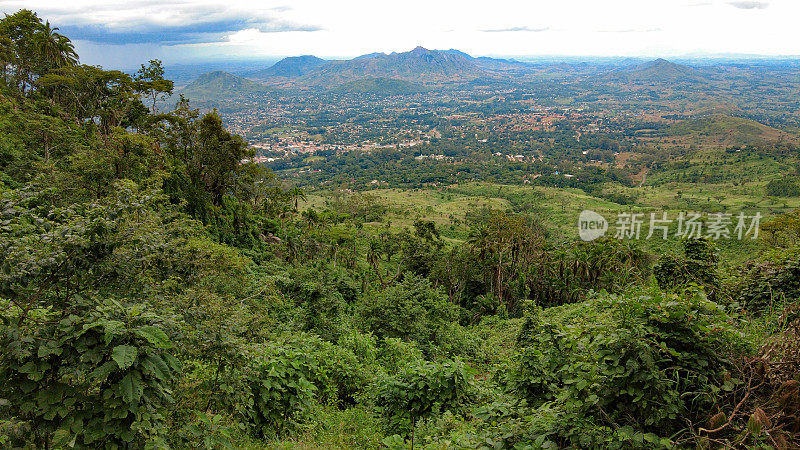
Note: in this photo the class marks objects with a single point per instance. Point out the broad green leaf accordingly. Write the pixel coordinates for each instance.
(173, 362)
(112, 328)
(131, 387)
(157, 367)
(154, 335)
(124, 355)
(102, 372)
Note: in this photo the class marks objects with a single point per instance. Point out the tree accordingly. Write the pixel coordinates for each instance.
(217, 156)
(30, 49)
(55, 49)
(91, 95)
(22, 59)
(297, 194)
(150, 82)
(506, 244)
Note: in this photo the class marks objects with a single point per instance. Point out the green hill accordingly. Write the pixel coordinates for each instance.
(219, 85)
(731, 131)
(659, 70)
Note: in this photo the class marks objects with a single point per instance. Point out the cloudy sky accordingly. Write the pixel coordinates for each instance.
(124, 33)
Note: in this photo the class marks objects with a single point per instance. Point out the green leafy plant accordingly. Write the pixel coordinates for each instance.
(280, 394)
(641, 361)
(103, 378)
(421, 390)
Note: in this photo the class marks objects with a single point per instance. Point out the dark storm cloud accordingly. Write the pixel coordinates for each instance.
(198, 32)
(137, 24)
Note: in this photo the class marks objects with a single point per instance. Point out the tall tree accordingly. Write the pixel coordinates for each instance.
(55, 50)
(150, 81)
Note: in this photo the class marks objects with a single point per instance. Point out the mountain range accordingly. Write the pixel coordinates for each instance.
(406, 72)
(419, 65)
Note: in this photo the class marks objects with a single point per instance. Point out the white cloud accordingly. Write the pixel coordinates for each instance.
(749, 5)
(349, 28)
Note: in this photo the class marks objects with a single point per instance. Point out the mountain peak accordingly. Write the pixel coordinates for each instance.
(657, 70)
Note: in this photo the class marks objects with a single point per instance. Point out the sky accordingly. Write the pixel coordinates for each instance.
(122, 34)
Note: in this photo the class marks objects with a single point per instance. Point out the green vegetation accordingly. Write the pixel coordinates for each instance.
(380, 86)
(158, 290)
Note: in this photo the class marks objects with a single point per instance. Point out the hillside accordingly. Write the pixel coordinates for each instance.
(291, 67)
(731, 131)
(429, 271)
(379, 86)
(219, 85)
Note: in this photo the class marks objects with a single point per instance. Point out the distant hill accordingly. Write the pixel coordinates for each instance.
(731, 131)
(291, 67)
(219, 85)
(659, 70)
(380, 86)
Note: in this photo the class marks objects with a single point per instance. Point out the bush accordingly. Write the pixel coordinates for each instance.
(769, 281)
(280, 395)
(783, 187)
(421, 390)
(396, 354)
(698, 265)
(338, 374)
(322, 304)
(649, 362)
(100, 379)
(412, 310)
(285, 378)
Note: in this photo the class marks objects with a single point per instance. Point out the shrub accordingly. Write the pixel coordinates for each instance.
(323, 306)
(783, 187)
(363, 346)
(100, 379)
(279, 394)
(396, 354)
(765, 282)
(285, 378)
(422, 390)
(336, 372)
(698, 265)
(648, 362)
(412, 310)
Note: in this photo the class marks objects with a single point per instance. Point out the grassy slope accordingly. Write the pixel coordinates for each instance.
(558, 209)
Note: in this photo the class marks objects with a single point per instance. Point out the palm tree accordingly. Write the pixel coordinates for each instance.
(55, 49)
(297, 194)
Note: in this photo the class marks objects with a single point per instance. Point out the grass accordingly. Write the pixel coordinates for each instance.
(558, 209)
